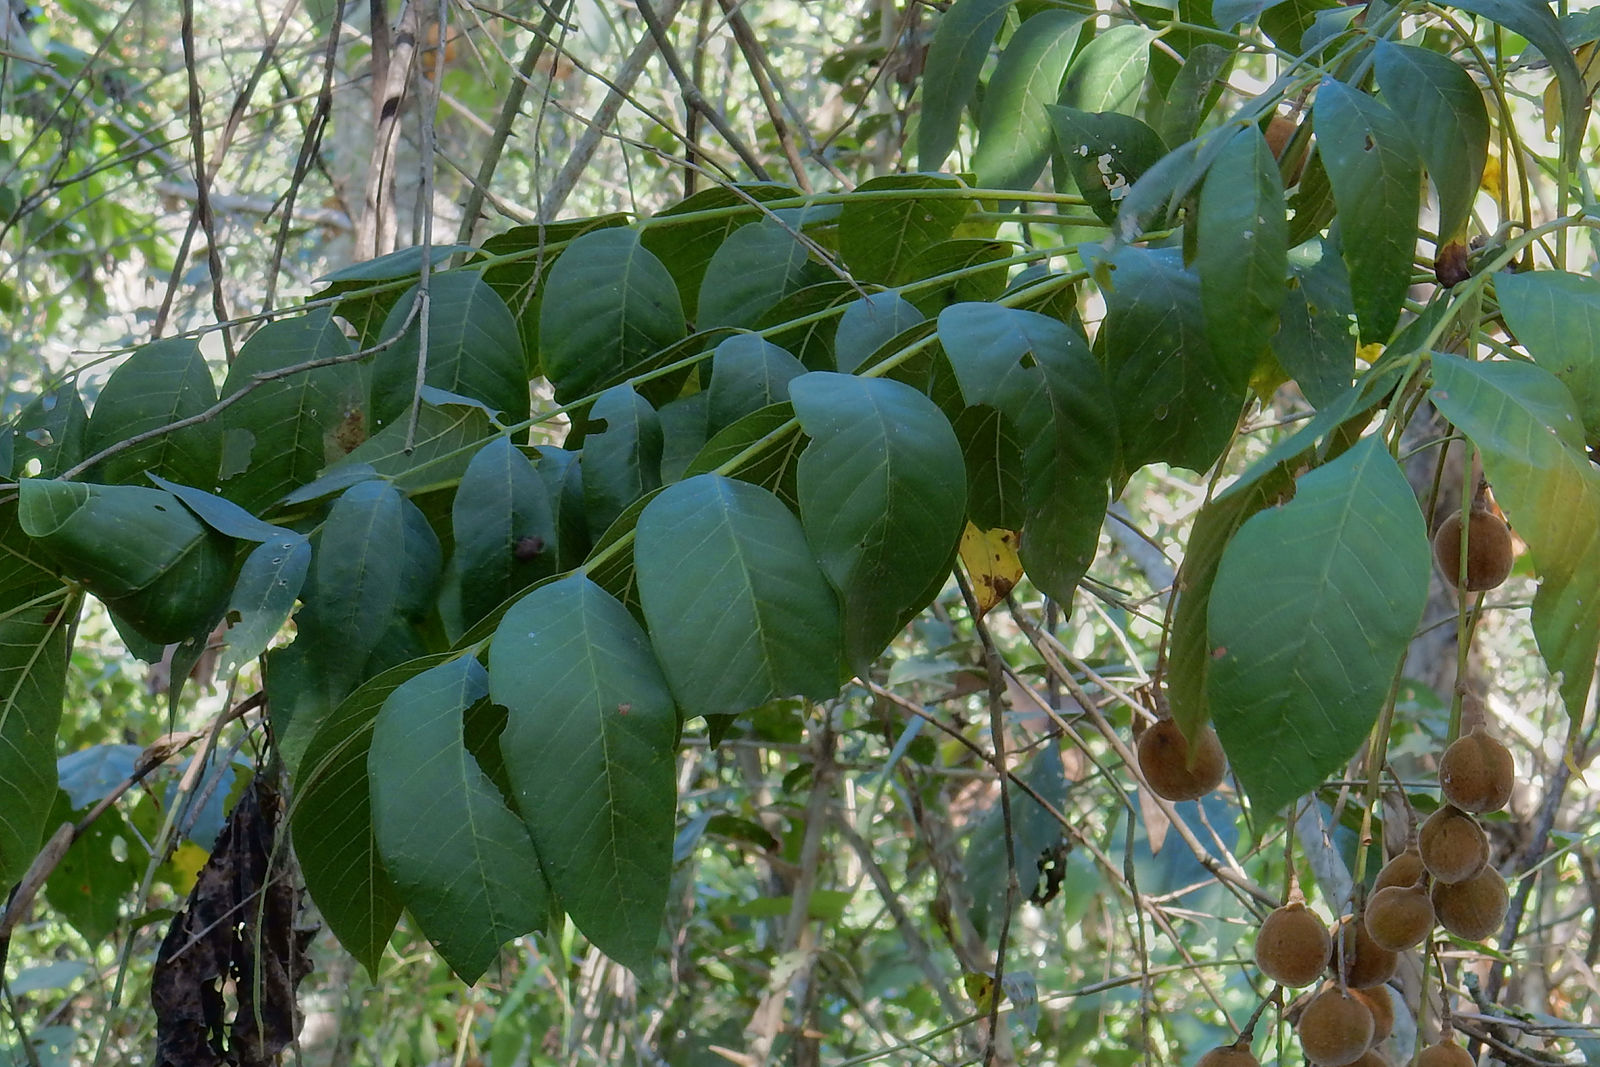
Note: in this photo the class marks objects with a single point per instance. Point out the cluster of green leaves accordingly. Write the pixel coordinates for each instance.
(784, 410)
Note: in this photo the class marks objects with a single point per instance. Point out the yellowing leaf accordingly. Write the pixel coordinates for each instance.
(187, 859)
(990, 557)
(981, 988)
(1588, 60)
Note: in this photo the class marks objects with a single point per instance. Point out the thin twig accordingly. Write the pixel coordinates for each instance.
(510, 109)
(994, 668)
(256, 381)
(693, 97)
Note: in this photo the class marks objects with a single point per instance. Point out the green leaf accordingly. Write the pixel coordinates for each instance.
(1287, 22)
(462, 861)
(877, 238)
(332, 821)
(882, 500)
(622, 461)
(1014, 131)
(474, 350)
(160, 383)
(1109, 73)
(685, 247)
(1377, 185)
(1313, 606)
(869, 323)
(608, 305)
(762, 448)
(536, 246)
(1242, 251)
(1316, 343)
(1040, 375)
(960, 45)
(287, 429)
(1449, 124)
(1556, 317)
(1104, 153)
(89, 886)
(947, 257)
(1177, 401)
(755, 268)
(747, 374)
(1534, 20)
(562, 474)
(51, 430)
(589, 745)
(505, 530)
(739, 612)
(401, 263)
(684, 431)
(262, 599)
(33, 668)
(991, 449)
(1523, 420)
(219, 513)
(1194, 91)
(804, 322)
(438, 456)
(1188, 647)
(356, 570)
(139, 550)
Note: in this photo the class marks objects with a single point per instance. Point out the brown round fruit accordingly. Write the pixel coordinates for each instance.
(1164, 761)
(1335, 1028)
(1489, 549)
(1292, 945)
(1444, 1054)
(1399, 917)
(1372, 1058)
(1235, 1055)
(1365, 962)
(1453, 845)
(1473, 909)
(1382, 1008)
(1404, 869)
(1476, 773)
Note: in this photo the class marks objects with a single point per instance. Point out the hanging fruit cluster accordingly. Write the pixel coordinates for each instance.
(1443, 878)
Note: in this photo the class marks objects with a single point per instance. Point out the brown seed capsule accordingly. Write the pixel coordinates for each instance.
(1473, 909)
(1453, 845)
(1382, 1008)
(1164, 761)
(1365, 962)
(1476, 773)
(1399, 917)
(1235, 1055)
(1489, 549)
(1335, 1028)
(1292, 945)
(1444, 1054)
(1404, 869)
